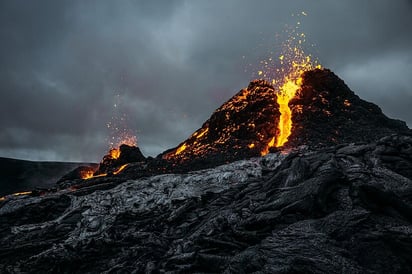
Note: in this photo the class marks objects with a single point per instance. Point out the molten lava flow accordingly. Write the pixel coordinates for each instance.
(288, 80)
(89, 174)
(117, 171)
(258, 117)
(114, 153)
(269, 145)
(180, 149)
(203, 132)
(287, 92)
(86, 174)
(120, 169)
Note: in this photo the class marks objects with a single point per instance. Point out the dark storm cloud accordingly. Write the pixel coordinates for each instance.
(173, 63)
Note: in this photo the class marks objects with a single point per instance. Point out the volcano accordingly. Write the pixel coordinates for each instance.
(318, 181)
(323, 112)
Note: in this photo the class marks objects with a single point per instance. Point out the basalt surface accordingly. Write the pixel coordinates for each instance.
(336, 198)
(343, 208)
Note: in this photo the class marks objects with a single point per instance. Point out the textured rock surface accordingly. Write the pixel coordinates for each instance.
(128, 154)
(327, 112)
(240, 128)
(339, 209)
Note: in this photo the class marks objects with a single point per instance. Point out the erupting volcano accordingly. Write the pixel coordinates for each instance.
(310, 107)
(297, 103)
(313, 108)
(259, 117)
(114, 162)
(283, 176)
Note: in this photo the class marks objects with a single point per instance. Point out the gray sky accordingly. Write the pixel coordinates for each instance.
(171, 63)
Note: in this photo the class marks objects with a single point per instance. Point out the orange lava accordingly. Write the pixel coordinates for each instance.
(22, 193)
(15, 194)
(288, 80)
(180, 149)
(120, 169)
(86, 174)
(114, 153)
(89, 174)
(287, 92)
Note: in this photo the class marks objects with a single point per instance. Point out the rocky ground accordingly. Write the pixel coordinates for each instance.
(336, 199)
(339, 209)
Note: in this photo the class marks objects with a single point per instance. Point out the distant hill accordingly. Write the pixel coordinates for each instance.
(21, 175)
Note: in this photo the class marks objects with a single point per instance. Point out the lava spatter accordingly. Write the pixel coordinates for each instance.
(285, 73)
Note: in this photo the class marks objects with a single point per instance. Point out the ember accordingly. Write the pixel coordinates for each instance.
(287, 80)
(265, 101)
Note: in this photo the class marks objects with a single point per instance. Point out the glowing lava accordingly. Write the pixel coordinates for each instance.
(112, 156)
(15, 195)
(86, 174)
(287, 91)
(114, 153)
(22, 193)
(293, 63)
(120, 169)
(180, 149)
(258, 117)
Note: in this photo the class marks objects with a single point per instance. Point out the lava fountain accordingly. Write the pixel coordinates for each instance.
(287, 81)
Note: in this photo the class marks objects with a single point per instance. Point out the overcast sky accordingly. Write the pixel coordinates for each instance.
(168, 65)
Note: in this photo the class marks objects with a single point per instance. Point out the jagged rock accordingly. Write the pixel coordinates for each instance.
(339, 209)
(79, 172)
(240, 128)
(126, 154)
(336, 199)
(109, 166)
(325, 112)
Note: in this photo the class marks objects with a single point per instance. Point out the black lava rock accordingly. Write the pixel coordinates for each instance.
(339, 209)
(336, 199)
